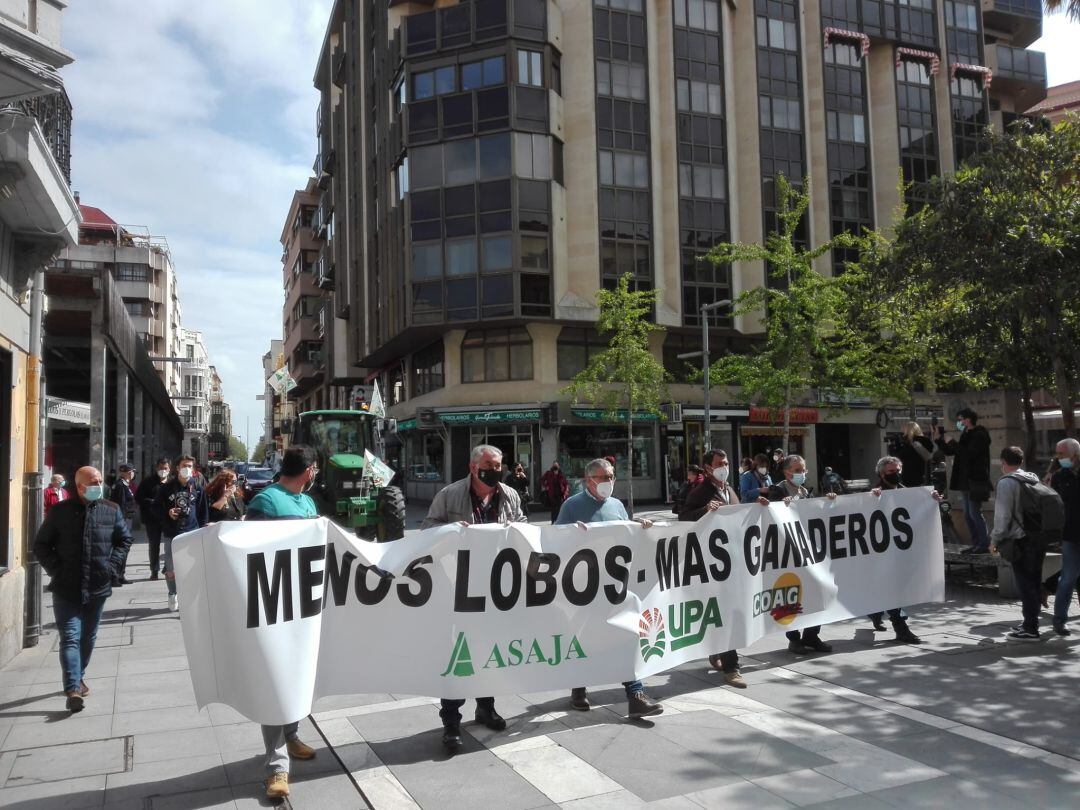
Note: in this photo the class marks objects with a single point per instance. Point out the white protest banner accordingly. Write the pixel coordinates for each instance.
(380, 474)
(279, 614)
(376, 406)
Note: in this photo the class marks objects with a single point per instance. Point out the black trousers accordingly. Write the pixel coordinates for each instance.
(450, 713)
(809, 634)
(896, 616)
(153, 540)
(729, 661)
(556, 506)
(1027, 570)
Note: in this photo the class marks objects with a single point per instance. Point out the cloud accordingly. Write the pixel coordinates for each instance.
(196, 119)
(1059, 39)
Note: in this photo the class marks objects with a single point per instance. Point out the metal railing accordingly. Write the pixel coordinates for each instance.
(53, 113)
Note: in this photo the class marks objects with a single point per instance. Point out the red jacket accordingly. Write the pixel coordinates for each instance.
(555, 485)
(52, 497)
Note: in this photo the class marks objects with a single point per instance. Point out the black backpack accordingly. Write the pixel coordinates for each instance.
(1042, 512)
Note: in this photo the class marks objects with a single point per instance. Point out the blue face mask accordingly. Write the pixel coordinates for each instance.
(1065, 463)
(959, 425)
(93, 492)
(798, 479)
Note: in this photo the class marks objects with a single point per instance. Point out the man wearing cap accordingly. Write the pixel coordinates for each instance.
(124, 497)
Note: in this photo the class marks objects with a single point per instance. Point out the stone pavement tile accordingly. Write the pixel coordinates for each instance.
(339, 731)
(242, 766)
(947, 791)
(621, 799)
(867, 768)
(163, 698)
(68, 761)
(805, 787)
(145, 666)
(219, 798)
(345, 701)
(176, 775)
(246, 736)
(89, 791)
(336, 791)
(376, 708)
(47, 700)
(394, 725)
(721, 699)
(737, 796)
(9, 694)
(222, 715)
(738, 749)
(860, 801)
(384, 792)
(160, 745)
(10, 678)
(468, 780)
(360, 760)
(558, 773)
(644, 761)
(149, 720)
(69, 728)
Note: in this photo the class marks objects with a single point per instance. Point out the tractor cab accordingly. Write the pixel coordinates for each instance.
(342, 491)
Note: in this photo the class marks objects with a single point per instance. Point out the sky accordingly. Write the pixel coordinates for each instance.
(196, 119)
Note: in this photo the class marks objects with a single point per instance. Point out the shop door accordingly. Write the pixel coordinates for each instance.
(834, 449)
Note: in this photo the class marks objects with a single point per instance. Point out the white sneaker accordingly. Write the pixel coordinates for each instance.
(174, 602)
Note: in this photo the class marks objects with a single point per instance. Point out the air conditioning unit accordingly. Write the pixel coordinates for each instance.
(672, 413)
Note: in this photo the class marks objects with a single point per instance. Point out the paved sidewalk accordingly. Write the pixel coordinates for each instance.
(967, 719)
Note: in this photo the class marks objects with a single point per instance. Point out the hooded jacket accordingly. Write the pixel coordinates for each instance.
(1008, 516)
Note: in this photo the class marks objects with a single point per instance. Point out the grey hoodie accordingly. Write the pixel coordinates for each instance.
(1008, 520)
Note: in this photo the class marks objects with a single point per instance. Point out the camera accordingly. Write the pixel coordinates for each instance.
(182, 504)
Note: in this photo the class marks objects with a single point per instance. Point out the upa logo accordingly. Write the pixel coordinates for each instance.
(783, 601)
(651, 634)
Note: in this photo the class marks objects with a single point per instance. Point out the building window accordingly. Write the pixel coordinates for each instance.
(127, 271)
(496, 355)
(483, 73)
(530, 66)
(426, 456)
(676, 344)
(580, 445)
(916, 117)
(428, 369)
(576, 348)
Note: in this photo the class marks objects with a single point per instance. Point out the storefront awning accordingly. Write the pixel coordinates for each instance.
(601, 415)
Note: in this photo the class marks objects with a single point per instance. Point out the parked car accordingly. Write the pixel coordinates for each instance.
(255, 480)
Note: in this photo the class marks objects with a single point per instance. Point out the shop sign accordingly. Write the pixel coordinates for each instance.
(483, 417)
(755, 430)
(406, 424)
(797, 416)
(600, 415)
(78, 413)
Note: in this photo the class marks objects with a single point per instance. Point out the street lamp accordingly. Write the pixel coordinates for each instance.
(704, 355)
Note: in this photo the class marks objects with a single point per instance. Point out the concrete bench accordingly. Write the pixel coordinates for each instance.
(954, 556)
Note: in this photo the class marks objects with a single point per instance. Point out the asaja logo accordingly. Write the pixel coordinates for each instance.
(783, 601)
(651, 634)
(513, 653)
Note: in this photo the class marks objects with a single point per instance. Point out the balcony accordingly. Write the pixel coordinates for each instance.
(53, 112)
(323, 169)
(1019, 73)
(1018, 20)
(338, 67)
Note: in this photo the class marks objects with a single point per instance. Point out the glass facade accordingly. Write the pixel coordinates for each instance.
(783, 148)
(917, 119)
(848, 148)
(967, 100)
(702, 144)
(622, 124)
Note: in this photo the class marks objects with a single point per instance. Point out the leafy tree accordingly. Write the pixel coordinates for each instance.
(808, 343)
(626, 375)
(998, 252)
(237, 449)
(260, 451)
(1070, 7)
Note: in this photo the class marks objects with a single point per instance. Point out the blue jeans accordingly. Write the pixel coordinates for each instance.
(170, 574)
(976, 523)
(78, 626)
(1070, 570)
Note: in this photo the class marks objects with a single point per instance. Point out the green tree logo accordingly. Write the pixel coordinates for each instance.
(651, 634)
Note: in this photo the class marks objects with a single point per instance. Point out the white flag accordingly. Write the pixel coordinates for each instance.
(376, 408)
(379, 473)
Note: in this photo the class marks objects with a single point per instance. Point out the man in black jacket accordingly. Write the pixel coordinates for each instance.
(80, 546)
(145, 495)
(970, 474)
(123, 496)
(708, 496)
(181, 507)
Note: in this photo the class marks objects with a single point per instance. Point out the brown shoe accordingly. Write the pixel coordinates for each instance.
(84, 690)
(74, 701)
(734, 679)
(299, 750)
(277, 785)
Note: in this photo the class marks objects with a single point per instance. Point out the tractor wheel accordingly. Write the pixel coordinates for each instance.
(392, 514)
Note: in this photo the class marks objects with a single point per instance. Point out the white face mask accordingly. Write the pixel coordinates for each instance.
(762, 471)
(162, 474)
(720, 474)
(184, 473)
(605, 488)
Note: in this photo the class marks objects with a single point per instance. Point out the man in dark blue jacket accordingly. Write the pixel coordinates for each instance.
(181, 507)
(81, 544)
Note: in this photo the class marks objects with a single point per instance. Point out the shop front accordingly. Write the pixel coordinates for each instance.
(590, 433)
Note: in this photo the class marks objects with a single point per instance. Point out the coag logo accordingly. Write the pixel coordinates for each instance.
(651, 634)
(783, 601)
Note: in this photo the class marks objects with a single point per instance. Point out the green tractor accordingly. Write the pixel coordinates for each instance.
(345, 490)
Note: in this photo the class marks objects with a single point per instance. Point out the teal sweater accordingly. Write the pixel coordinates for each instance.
(587, 509)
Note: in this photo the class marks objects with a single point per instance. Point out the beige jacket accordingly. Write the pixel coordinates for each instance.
(453, 503)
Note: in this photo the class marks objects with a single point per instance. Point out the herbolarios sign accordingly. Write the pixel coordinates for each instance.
(279, 614)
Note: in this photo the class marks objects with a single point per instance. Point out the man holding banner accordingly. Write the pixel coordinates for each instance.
(594, 504)
(286, 500)
(482, 497)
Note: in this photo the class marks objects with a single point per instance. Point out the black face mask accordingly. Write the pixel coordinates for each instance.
(891, 478)
(489, 478)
